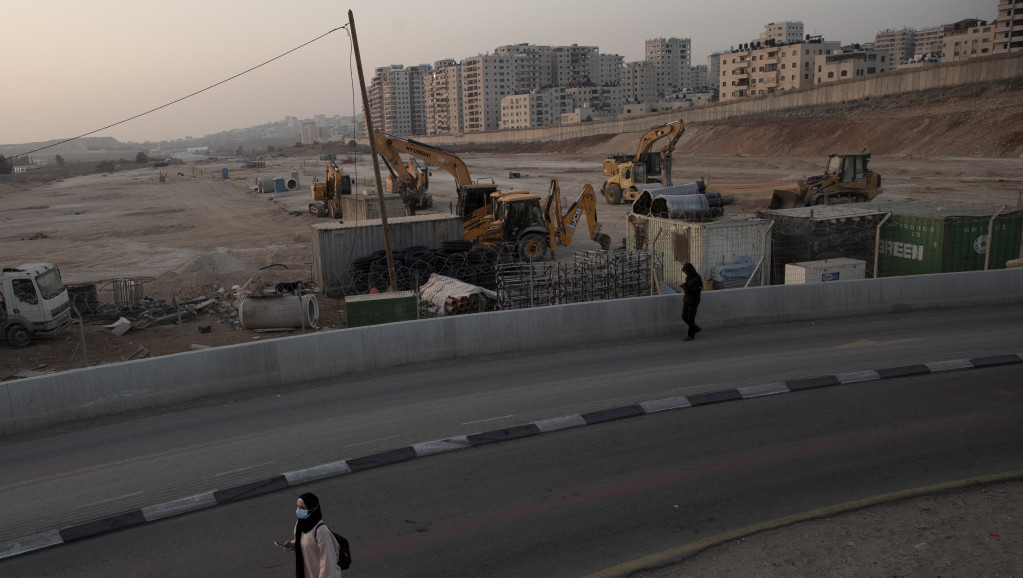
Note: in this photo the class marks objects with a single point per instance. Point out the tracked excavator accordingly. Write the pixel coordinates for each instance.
(630, 174)
(518, 219)
(411, 182)
(846, 179)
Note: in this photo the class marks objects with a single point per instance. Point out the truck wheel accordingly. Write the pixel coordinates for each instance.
(532, 247)
(613, 194)
(18, 337)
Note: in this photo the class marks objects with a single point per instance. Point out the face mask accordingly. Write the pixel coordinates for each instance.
(302, 514)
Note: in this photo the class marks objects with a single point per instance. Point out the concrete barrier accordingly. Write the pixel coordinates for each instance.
(40, 402)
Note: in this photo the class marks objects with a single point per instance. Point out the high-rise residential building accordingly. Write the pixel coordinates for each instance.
(604, 100)
(397, 100)
(532, 65)
(443, 94)
(309, 132)
(417, 97)
(968, 39)
(761, 71)
(1009, 30)
(899, 43)
(608, 70)
(486, 79)
(786, 32)
(639, 82)
(671, 59)
(714, 70)
(575, 65)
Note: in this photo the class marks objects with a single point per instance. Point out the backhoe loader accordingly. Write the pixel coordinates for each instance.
(846, 179)
(516, 220)
(327, 195)
(629, 173)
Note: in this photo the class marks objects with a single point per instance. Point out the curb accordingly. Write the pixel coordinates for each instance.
(283, 481)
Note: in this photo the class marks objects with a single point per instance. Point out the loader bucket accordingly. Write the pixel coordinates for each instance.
(782, 199)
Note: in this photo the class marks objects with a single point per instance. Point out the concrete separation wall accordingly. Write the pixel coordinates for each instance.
(994, 68)
(40, 402)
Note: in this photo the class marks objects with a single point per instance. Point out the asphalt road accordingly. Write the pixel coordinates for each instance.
(501, 510)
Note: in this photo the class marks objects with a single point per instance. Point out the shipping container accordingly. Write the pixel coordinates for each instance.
(823, 232)
(366, 205)
(924, 238)
(723, 242)
(336, 245)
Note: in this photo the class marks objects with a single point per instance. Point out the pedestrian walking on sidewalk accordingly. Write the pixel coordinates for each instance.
(691, 289)
(316, 549)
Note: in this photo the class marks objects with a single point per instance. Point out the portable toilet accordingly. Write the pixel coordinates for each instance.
(223, 173)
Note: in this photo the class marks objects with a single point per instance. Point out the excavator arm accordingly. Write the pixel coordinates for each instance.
(562, 226)
(411, 183)
(672, 131)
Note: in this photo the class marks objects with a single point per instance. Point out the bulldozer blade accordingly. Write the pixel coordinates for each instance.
(782, 199)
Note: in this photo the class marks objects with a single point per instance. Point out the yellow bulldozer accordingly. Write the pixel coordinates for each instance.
(846, 179)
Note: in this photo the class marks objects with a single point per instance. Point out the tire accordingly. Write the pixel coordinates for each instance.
(613, 194)
(532, 247)
(17, 336)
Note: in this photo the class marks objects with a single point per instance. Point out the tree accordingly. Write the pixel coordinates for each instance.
(239, 151)
(60, 160)
(106, 166)
(141, 158)
(5, 166)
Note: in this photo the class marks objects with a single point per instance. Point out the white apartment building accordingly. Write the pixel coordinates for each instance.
(714, 70)
(746, 73)
(309, 133)
(535, 108)
(1009, 33)
(899, 43)
(638, 81)
(486, 79)
(598, 99)
(835, 67)
(671, 59)
(532, 65)
(929, 41)
(575, 65)
(787, 32)
(443, 95)
(417, 97)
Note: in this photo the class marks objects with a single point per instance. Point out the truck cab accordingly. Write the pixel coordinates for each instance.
(34, 302)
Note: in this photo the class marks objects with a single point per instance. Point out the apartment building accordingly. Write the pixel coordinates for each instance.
(671, 59)
(532, 65)
(1009, 31)
(900, 44)
(575, 65)
(928, 41)
(714, 69)
(308, 134)
(535, 108)
(755, 72)
(442, 91)
(598, 99)
(638, 81)
(486, 79)
(787, 32)
(856, 64)
(968, 39)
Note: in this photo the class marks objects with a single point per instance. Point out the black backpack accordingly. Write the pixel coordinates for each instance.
(344, 557)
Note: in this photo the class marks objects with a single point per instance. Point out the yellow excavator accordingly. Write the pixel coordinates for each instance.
(628, 173)
(327, 195)
(517, 219)
(411, 182)
(846, 179)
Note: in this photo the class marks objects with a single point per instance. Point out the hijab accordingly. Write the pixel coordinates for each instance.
(312, 503)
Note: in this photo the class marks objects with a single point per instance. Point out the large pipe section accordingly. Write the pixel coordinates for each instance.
(284, 312)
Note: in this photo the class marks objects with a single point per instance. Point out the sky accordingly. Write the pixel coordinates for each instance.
(73, 67)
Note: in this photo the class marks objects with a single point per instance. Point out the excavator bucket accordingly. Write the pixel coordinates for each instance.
(783, 199)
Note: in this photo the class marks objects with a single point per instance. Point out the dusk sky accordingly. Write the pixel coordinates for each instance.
(73, 67)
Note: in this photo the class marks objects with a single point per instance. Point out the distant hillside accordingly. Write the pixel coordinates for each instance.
(980, 121)
(82, 145)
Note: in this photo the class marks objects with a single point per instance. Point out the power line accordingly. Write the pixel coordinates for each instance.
(212, 86)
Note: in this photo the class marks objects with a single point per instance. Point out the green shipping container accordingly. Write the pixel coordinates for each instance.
(377, 308)
(920, 239)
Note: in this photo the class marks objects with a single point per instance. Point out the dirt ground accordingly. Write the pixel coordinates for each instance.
(197, 236)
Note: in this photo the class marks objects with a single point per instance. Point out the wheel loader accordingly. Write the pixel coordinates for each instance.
(630, 174)
(846, 179)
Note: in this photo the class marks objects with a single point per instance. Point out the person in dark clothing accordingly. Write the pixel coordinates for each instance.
(691, 288)
(316, 550)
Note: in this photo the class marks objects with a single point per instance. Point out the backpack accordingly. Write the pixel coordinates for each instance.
(344, 555)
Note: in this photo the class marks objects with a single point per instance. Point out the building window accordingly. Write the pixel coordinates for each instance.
(831, 74)
(844, 73)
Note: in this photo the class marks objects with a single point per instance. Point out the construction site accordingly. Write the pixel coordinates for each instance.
(234, 250)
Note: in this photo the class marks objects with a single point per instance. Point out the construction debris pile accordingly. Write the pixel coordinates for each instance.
(413, 266)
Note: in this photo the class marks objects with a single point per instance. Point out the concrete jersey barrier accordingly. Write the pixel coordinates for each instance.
(40, 402)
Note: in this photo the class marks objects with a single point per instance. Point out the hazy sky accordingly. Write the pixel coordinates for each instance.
(71, 67)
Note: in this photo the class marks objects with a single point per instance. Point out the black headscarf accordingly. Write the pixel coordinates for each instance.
(312, 503)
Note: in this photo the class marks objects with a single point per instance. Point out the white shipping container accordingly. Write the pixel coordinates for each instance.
(724, 241)
(825, 271)
(361, 207)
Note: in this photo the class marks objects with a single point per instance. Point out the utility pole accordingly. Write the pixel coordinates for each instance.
(373, 152)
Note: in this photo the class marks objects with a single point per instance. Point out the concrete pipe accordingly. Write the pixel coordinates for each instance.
(644, 203)
(285, 312)
(680, 206)
(291, 183)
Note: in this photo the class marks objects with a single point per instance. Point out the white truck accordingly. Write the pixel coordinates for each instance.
(34, 302)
